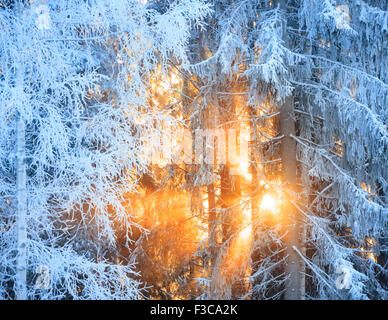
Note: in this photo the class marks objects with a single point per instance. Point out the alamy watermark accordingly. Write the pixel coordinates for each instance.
(212, 147)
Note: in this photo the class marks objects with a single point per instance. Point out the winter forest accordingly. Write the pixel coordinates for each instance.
(194, 149)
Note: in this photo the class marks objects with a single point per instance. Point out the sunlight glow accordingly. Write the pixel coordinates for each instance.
(244, 169)
(269, 203)
(246, 233)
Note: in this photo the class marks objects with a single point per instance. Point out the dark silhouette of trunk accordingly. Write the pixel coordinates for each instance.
(293, 268)
(209, 124)
(255, 255)
(230, 202)
(292, 240)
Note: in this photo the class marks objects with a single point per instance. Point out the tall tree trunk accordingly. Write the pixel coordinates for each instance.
(21, 198)
(195, 194)
(255, 254)
(288, 154)
(209, 124)
(231, 197)
(293, 285)
(254, 187)
(211, 196)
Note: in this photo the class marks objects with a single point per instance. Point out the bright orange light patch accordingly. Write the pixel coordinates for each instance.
(270, 203)
(245, 234)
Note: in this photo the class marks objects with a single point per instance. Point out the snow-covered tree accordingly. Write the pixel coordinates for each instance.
(315, 78)
(73, 91)
(87, 88)
(343, 149)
